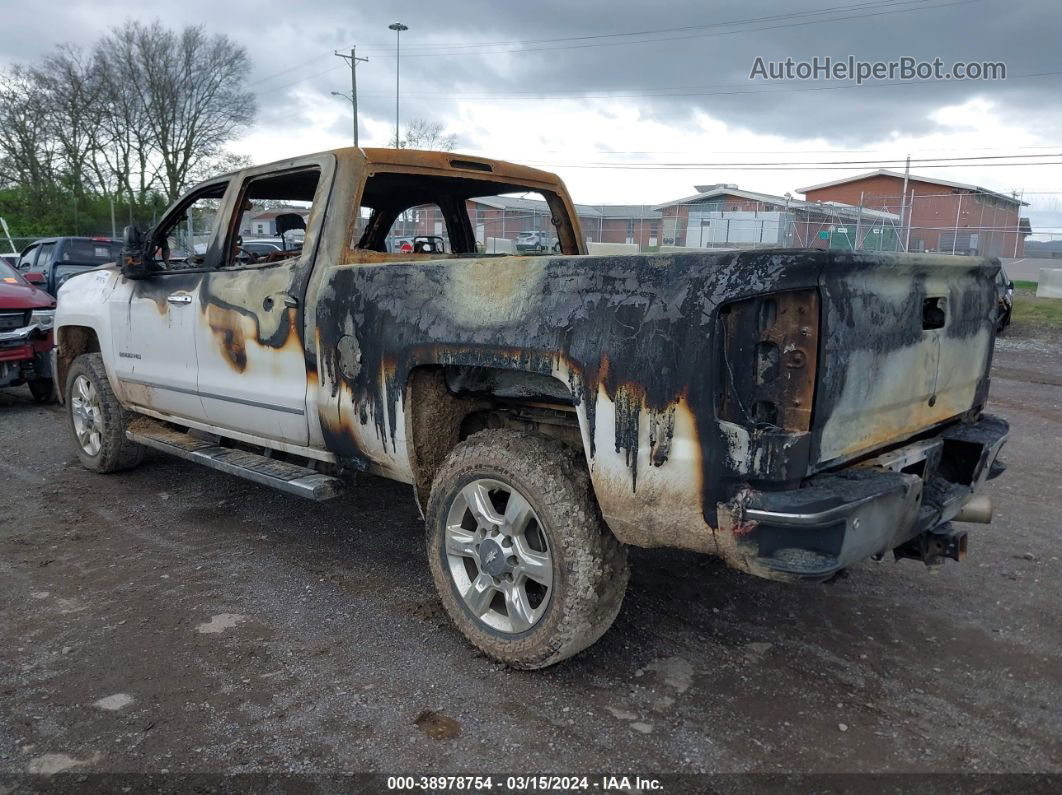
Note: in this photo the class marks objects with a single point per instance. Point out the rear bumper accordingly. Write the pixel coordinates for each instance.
(839, 519)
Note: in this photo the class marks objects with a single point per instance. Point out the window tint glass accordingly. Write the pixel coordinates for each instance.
(91, 252)
(45, 259)
(26, 260)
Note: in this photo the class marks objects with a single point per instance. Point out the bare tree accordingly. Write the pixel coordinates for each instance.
(27, 150)
(133, 120)
(423, 134)
(71, 93)
(190, 89)
(125, 141)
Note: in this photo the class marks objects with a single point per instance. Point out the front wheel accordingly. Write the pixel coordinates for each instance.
(522, 560)
(97, 420)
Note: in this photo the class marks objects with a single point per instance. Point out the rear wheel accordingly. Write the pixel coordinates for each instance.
(522, 560)
(97, 420)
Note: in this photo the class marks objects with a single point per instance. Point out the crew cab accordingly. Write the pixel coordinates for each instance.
(26, 317)
(49, 262)
(791, 411)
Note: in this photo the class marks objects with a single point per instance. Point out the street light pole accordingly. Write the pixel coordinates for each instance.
(397, 27)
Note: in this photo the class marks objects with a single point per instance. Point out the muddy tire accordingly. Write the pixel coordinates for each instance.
(520, 555)
(97, 421)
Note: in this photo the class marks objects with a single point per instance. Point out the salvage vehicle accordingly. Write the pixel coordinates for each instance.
(791, 411)
(26, 318)
(52, 260)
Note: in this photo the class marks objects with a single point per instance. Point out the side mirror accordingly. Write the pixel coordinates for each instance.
(34, 277)
(1010, 285)
(134, 263)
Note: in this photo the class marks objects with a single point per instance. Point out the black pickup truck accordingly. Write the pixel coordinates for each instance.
(792, 411)
(49, 262)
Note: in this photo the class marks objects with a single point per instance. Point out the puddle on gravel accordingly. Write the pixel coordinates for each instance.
(220, 623)
(437, 726)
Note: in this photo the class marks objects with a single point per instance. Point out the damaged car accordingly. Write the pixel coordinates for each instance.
(793, 412)
(26, 317)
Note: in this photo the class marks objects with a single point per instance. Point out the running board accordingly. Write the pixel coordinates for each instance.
(280, 475)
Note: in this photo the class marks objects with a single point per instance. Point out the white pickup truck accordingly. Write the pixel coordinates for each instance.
(793, 412)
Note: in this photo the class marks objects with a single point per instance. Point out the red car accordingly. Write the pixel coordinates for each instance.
(26, 318)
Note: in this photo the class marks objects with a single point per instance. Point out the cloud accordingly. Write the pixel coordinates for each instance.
(676, 95)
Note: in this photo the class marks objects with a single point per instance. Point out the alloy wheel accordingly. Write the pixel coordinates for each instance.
(498, 556)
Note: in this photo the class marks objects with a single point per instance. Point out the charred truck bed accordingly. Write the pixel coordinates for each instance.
(708, 387)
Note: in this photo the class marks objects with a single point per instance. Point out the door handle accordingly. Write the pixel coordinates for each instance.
(179, 298)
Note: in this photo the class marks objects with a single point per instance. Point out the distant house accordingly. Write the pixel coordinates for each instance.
(725, 216)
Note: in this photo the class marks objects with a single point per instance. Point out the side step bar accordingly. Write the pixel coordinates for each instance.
(280, 475)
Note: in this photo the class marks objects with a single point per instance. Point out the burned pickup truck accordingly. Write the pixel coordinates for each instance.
(791, 411)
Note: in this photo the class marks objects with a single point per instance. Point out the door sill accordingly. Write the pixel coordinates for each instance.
(249, 438)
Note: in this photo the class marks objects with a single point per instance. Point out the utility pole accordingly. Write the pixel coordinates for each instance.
(859, 221)
(354, 60)
(903, 205)
(397, 27)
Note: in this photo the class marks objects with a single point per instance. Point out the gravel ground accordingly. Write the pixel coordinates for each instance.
(176, 619)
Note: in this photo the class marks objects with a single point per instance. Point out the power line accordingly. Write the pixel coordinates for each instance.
(696, 91)
(814, 163)
(431, 49)
(724, 166)
(471, 51)
(658, 31)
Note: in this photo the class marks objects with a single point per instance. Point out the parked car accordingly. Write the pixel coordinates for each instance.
(49, 262)
(793, 412)
(417, 244)
(1004, 300)
(263, 247)
(26, 317)
(537, 242)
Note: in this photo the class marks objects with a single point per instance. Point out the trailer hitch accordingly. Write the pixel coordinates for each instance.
(934, 546)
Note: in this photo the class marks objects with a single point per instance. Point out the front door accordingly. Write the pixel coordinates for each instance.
(252, 362)
(154, 320)
(153, 333)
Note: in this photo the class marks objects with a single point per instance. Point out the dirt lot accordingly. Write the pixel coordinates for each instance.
(175, 619)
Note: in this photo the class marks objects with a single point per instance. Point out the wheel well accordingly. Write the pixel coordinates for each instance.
(71, 342)
(447, 404)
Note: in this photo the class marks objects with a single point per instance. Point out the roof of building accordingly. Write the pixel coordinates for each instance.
(267, 215)
(582, 210)
(831, 208)
(885, 172)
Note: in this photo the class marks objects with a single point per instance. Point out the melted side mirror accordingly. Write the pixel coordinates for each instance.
(134, 262)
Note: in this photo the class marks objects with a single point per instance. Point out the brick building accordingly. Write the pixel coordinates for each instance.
(946, 216)
(723, 215)
(508, 216)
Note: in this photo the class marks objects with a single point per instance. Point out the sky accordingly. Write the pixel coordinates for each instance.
(637, 102)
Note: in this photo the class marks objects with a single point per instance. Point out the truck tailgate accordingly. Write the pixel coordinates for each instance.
(907, 345)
